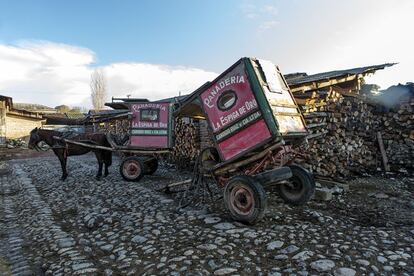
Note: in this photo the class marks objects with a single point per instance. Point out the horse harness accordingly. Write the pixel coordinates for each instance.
(62, 144)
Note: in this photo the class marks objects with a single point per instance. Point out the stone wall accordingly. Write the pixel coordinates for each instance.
(20, 127)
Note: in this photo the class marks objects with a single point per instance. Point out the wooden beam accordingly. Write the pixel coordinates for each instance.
(383, 153)
(232, 166)
(296, 88)
(111, 149)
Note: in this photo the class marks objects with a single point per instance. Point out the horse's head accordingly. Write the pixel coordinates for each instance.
(34, 139)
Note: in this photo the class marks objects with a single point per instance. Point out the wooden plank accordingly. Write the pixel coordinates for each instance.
(316, 135)
(315, 114)
(111, 149)
(295, 88)
(383, 154)
(166, 189)
(315, 125)
(217, 170)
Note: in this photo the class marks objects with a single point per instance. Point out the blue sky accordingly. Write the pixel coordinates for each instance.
(154, 48)
(165, 32)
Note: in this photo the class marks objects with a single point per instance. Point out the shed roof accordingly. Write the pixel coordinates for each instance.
(296, 79)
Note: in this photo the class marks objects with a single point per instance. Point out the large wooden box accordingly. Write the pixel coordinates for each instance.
(248, 106)
(151, 125)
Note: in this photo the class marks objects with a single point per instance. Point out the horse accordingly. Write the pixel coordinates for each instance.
(62, 149)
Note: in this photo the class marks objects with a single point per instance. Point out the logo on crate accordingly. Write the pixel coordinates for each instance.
(220, 86)
(240, 124)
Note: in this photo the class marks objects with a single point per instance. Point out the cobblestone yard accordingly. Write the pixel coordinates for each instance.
(112, 227)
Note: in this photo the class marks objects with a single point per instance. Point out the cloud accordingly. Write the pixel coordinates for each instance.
(271, 10)
(52, 74)
(249, 10)
(267, 25)
(153, 81)
(263, 15)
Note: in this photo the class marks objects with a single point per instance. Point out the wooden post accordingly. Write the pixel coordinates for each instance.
(2, 123)
(382, 149)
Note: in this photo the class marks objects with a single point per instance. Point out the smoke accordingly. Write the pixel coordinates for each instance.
(393, 95)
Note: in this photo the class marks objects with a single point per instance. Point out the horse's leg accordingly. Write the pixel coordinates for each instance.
(99, 157)
(108, 161)
(60, 154)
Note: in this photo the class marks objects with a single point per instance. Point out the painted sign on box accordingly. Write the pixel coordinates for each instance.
(149, 125)
(229, 99)
(233, 114)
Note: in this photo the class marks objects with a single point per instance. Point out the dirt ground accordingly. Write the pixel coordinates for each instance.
(113, 227)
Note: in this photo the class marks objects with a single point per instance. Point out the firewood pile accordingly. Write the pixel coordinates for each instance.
(205, 137)
(119, 127)
(187, 142)
(398, 134)
(344, 130)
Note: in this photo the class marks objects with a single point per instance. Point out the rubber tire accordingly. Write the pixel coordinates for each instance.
(138, 162)
(259, 196)
(302, 176)
(151, 166)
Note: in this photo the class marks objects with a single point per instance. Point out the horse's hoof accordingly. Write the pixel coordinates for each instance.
(105, 175)
(98, 178)
(63, 178)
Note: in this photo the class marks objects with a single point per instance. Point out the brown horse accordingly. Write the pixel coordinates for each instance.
(63, 149)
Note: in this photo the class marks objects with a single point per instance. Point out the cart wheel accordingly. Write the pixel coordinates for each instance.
(300, 186)
(151, 165)
(132, 168)
(245, 198)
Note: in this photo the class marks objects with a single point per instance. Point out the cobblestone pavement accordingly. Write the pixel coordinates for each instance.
(111, 227)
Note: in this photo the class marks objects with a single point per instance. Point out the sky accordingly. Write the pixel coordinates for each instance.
(157, 49)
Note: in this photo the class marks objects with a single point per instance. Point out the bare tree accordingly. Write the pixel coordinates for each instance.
(98, 89)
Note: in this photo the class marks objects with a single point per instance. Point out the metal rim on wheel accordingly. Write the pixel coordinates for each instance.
(131, 169)
(241, 199)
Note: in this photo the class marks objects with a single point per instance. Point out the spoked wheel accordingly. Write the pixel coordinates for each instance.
(132, 168)
(151, 165)
(245, 198)
(299, 188)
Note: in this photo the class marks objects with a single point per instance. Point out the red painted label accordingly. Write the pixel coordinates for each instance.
(229, 99)
(244, 140)
(149, 141)
(149, 125)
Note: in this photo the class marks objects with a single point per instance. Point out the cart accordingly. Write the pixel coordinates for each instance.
(255, 123)
(150, 136)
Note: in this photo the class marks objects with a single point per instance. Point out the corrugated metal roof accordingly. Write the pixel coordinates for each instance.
(301, 78)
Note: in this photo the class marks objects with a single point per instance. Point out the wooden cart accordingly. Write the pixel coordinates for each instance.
(255, 123)
(150, 136)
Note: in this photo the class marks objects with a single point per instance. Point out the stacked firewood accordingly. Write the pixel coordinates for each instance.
(187, 141)
(398, 134)
(206, 140)
(342, 148)
(119, 127)
(343, 137)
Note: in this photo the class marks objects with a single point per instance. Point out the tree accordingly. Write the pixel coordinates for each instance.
(98, 89)
(78, 109)
(62, 108)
